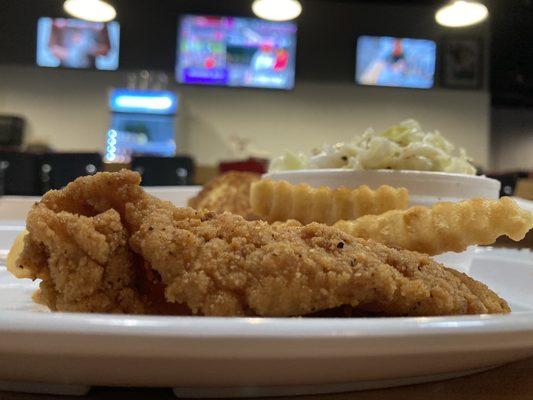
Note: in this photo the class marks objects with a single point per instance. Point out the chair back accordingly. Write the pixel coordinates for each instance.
(19, 174)
(164, 171)
(58, 169)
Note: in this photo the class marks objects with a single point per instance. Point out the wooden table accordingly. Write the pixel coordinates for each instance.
(513, 381)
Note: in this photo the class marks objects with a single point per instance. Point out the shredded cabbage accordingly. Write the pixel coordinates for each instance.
(402, 146)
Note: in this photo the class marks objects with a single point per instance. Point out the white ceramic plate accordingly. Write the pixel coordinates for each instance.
(216, 357)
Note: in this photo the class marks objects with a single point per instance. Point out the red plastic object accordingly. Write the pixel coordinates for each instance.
(258, 165)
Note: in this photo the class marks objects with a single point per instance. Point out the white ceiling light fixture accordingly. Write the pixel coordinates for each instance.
(277, 10)
(459, 13)
(90, 10)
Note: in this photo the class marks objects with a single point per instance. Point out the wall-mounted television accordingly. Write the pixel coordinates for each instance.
(237, 52)
(73, 43)
(398, 62)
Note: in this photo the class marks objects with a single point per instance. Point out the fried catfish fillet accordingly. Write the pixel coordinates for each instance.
(103, 245)
(228, 192)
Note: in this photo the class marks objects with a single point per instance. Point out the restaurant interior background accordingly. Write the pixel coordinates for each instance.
(68, 109)
(123, 286)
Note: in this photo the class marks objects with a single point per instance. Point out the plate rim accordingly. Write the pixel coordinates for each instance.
(13, 321)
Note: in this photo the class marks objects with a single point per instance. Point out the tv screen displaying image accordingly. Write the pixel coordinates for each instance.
(399, 62)
(237, 52)
(73, 43)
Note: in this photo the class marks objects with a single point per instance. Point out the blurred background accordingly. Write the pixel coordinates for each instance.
(196, 87)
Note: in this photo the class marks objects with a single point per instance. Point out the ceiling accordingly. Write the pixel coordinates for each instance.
(511, 30)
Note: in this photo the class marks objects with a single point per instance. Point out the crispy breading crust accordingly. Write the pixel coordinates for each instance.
(228, 192)
(77, 245)
(84, 262)
(445, 226)
(281, 201)
(221, 264)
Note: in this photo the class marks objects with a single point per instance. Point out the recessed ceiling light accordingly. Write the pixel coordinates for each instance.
(277, 10)
(90, 10)
(460, 13)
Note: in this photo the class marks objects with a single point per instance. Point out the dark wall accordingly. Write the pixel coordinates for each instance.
(327, 30)
(512, 53)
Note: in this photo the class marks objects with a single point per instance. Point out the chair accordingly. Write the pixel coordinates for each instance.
(508, 181)
(19, 174)
(164, 171)
(58, 169)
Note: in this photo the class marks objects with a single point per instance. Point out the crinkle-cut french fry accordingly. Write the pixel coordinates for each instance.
(280, 201)
(445, 226)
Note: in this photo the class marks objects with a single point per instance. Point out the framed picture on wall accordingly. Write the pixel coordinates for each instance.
(462, 63)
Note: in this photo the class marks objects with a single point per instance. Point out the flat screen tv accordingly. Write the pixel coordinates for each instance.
(399, 62)
(237, 52)
(73, 43)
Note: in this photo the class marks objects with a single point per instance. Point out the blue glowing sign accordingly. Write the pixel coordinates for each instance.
(162, 102)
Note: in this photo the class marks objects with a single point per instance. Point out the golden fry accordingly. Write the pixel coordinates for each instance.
(445, 226)
(280, 201)
(13, 255)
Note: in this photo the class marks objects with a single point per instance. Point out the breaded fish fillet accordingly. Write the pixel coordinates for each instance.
(228, 192)
(103, 245)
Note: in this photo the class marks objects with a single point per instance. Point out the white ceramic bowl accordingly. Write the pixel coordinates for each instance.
(425, 188)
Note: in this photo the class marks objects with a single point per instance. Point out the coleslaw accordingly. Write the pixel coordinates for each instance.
(402, 146)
